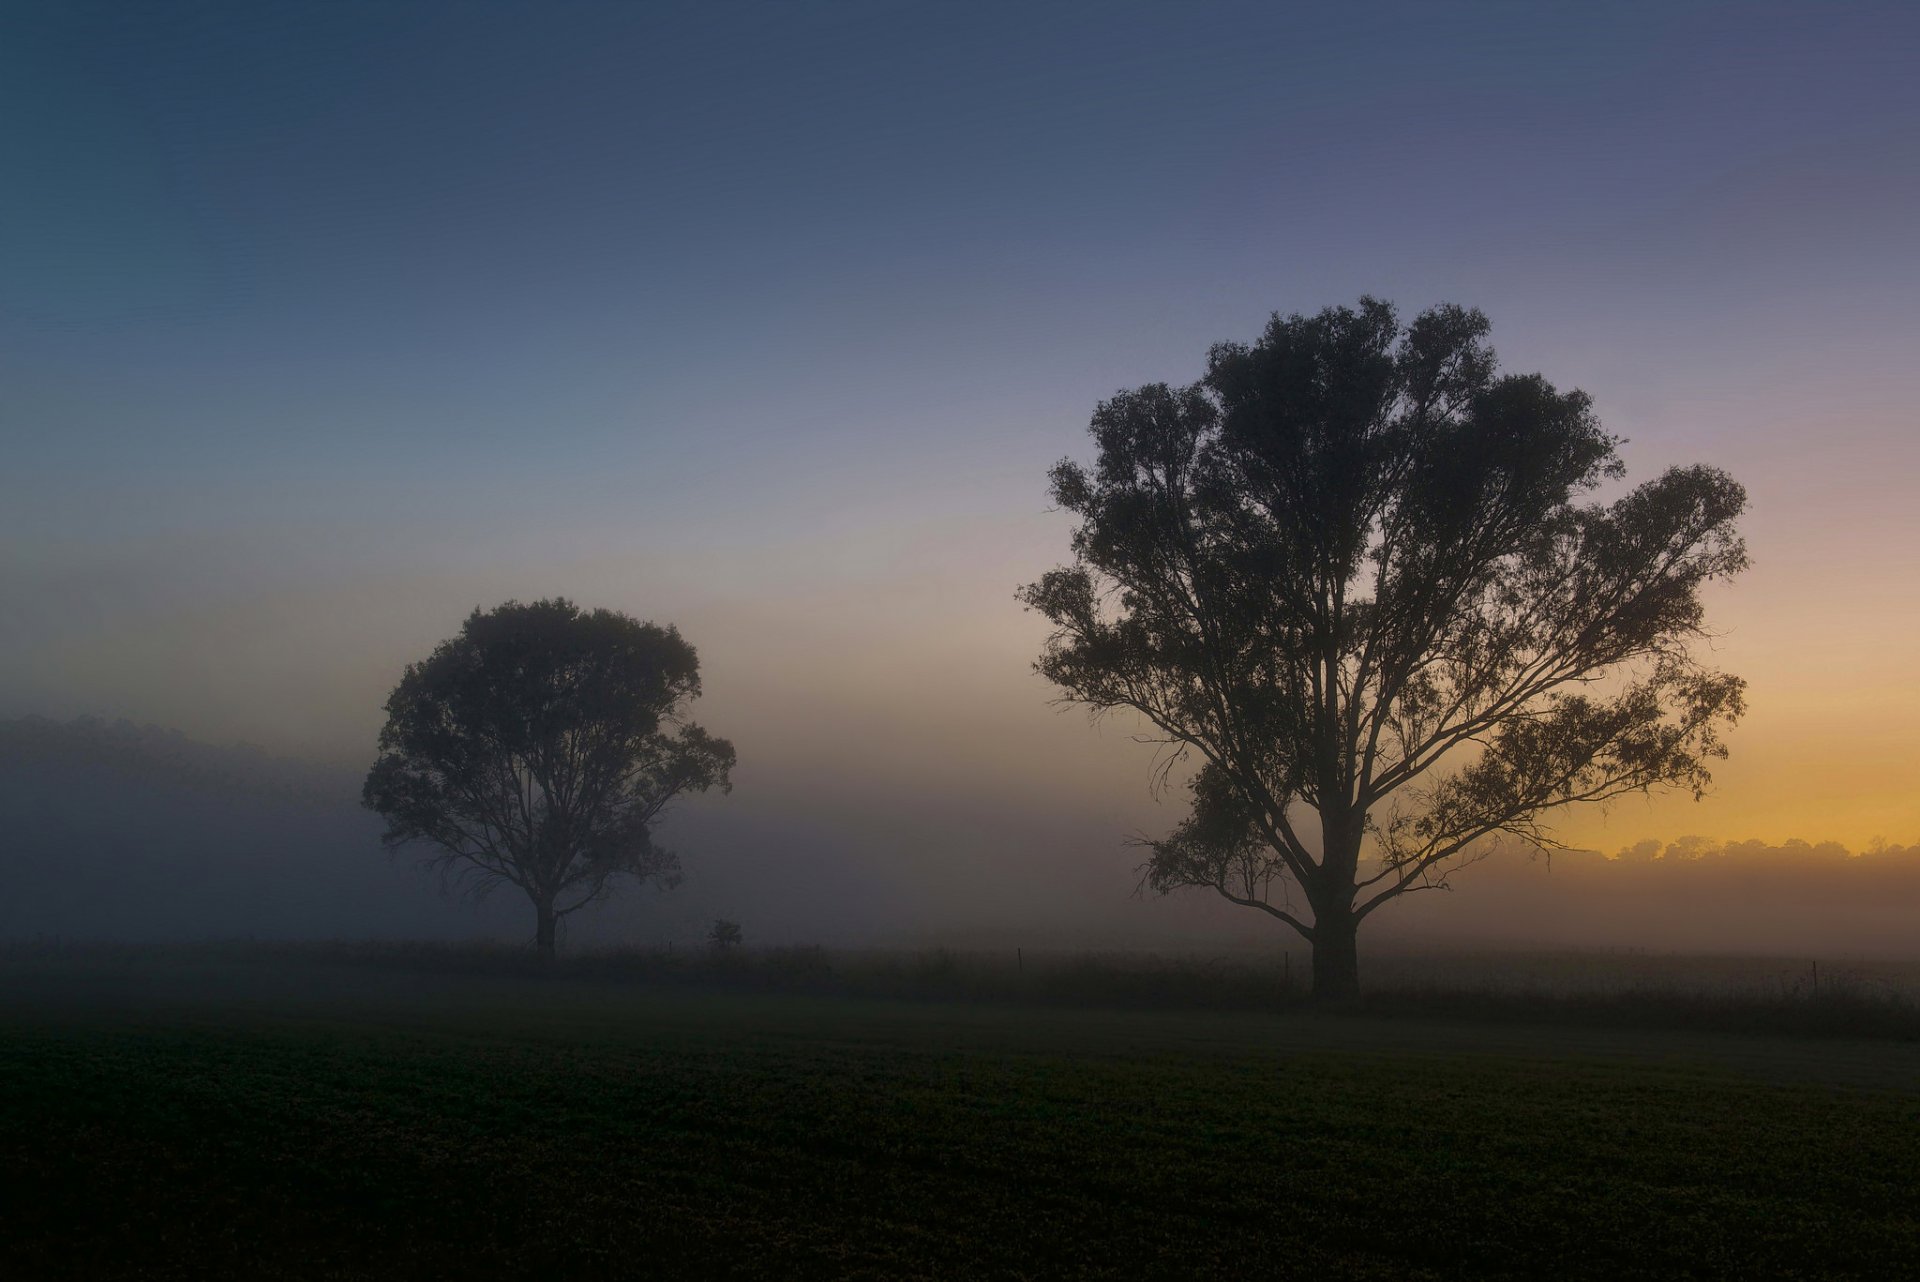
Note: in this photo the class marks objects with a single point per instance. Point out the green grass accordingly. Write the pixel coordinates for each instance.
(336, 1122)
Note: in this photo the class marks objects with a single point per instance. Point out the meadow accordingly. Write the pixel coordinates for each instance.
(206, 1113)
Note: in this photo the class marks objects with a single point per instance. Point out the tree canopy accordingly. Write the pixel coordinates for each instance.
(540, 747)
(1354, 571)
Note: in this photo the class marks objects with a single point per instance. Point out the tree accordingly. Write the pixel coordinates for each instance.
(725, 935)
(539, 748)
(1350, 574)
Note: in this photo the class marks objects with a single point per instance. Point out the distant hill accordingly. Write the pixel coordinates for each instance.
(116, 830)
(159, 754)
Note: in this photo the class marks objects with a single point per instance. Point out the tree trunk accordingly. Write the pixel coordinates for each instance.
(1336, 957)
(543, 932)
(1336, 954)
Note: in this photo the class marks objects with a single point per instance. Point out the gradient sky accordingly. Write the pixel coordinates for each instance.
(322, 324)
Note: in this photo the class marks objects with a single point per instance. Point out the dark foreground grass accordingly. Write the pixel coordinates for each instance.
(461, 1127)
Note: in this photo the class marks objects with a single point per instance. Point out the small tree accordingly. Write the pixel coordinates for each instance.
(539, 748)
(1353, 552)
(725, 935)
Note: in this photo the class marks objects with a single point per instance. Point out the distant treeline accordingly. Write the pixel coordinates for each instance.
(1691, 894)
(1794, 851)
(1807, 871)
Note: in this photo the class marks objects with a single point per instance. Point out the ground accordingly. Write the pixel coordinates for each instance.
(351, 1123)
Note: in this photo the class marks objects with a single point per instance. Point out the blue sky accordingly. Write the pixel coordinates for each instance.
(321, 324)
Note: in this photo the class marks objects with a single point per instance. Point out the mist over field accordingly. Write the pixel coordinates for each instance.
(123, 832)
(1189, 639)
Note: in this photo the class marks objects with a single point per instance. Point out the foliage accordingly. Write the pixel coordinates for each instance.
(1355, 551)
(540, 747)
(724, 935)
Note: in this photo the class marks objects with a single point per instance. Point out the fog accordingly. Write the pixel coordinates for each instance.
(122, 832)
(322, 327)
(691, 468)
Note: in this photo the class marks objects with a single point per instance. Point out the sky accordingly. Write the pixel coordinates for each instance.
(321, 325)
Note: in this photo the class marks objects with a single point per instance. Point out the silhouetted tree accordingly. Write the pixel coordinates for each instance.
(539, 747)
(725, 935)
(1354, 551)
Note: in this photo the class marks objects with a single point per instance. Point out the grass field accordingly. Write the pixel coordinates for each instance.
(214, 1119)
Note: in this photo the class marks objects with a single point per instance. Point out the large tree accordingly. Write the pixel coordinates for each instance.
(539, 748)
(1353, 575)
